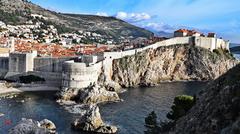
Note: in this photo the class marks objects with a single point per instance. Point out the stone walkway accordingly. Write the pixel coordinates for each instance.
(26, 88)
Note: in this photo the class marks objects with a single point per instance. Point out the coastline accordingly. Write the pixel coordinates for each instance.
(4, 90)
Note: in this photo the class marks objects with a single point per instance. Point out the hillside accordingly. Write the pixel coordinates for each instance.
(19, 11)
(217, 108)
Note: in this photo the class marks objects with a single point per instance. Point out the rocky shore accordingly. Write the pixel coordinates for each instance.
(89, 119)
(29, 126)
(217, 109)
(149, 68)
(84, 103)
(93, 94)
(9, 88)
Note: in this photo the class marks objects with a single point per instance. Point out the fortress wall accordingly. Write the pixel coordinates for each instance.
(51, 78)
(205, 42)
(172, 41)
(3, 66)
(110, 56)
(211, 43)
(49, 64)
(30, 61)
(78, 75)
(220, 43)
(17, 62)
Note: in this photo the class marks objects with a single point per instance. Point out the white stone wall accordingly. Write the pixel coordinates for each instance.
(169, 42)
(211, 43)
(79, 75)
(49, 64)
(89, 59)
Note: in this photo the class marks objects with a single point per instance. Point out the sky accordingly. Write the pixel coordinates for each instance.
(220, 16)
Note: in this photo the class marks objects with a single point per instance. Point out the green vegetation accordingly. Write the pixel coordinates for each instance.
(11, 18)
(181, 105)
(123, 62)
(55, 41)
(30, 79)
(2, 29)
(151, 124)
(74, 41)
(60, 27)
(151, 120)
(223, 52)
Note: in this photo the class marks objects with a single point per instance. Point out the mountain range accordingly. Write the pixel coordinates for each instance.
(17, 12)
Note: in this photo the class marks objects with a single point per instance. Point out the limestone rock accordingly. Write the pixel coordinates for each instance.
(107, 129)
(29, 126)
(95, 94)
(68, 94)
(170, 63)
(90, 119)
(48, 125)
(113, 86)
(217, 109)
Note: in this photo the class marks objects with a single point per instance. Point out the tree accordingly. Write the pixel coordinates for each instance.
(181, 105)
(151, 120)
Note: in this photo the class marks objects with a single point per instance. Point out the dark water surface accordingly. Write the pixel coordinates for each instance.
(127, 115)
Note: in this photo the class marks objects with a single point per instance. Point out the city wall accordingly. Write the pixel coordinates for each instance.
(67, 73)
(211, 43)
(79, 75)
(49, 64)
(3, 66)
(204, 42)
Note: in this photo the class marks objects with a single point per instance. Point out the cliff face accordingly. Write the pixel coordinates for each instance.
(217, 108)
(171, 63)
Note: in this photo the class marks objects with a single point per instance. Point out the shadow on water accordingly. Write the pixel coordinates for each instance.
(127, 115)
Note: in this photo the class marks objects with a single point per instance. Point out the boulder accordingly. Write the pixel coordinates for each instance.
(90, 119)
(48, 125)
(68, 94)
(29, 126)
(107, 129)
(95, 94)
(113, 86)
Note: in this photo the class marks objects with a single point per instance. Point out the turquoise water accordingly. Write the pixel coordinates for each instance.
(127, 115)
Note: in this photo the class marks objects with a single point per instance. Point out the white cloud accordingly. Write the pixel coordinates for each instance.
(101, 14)
(159, 27)
(133, 17)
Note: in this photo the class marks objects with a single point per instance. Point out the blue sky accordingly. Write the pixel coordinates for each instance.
(220, 16)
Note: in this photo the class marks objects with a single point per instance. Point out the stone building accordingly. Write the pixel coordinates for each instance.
(80, 72)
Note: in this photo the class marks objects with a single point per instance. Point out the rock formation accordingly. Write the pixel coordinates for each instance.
(171, 63)
(217, 109)
(29, 126)
(93, 94)
(84, 104)
(49, 125)
(89, 119)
